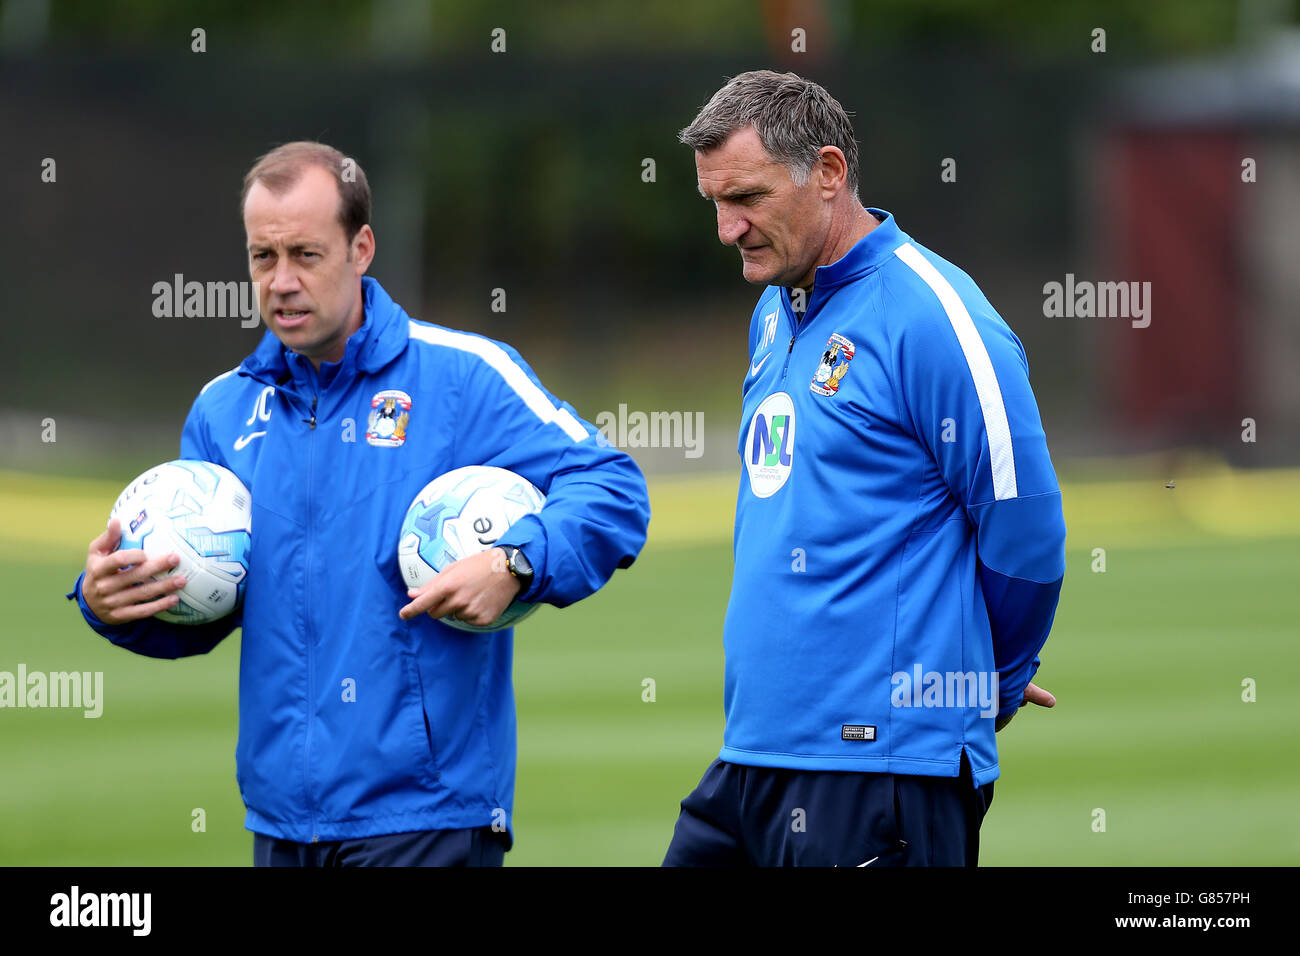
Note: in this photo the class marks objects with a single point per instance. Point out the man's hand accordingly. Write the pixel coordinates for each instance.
(474, 590)
(117, 596)
(1033, 695)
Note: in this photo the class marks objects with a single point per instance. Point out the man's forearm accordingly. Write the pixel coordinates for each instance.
(1020, 616)
(152, 637)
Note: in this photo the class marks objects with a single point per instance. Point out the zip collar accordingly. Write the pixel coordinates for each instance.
(382, 337)
(866, 255)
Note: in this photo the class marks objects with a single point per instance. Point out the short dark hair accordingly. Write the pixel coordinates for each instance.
(794, 119)
(283, 166)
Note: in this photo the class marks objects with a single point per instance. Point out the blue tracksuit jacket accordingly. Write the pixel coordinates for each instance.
(429, 741)
(899, 536)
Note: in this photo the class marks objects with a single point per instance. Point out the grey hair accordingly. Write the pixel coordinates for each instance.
(794, 119)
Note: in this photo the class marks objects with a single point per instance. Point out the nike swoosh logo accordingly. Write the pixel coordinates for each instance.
(243, 440)
(753, 369)
(902, 845)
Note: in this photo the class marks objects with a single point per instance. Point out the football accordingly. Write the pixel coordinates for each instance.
(459, 514)
(202, 512)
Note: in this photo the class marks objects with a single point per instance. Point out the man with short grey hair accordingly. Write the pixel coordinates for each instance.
(897, 569)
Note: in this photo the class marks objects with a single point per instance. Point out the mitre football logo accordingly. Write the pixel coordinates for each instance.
(390, 414)
(769, 446)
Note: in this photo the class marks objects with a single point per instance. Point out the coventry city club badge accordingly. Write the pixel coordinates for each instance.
(390, 413)
(834, 365)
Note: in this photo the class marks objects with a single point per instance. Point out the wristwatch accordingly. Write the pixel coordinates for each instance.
(518, 566)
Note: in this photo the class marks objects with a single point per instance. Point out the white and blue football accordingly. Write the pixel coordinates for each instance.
(459, 514)
(203, 513)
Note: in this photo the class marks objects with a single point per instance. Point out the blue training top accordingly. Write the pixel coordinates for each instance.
(899, 541)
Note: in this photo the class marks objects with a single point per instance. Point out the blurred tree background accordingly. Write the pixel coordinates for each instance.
(523, 169)
(508, 146)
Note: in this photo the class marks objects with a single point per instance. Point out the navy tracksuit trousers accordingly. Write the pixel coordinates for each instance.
(764, 816)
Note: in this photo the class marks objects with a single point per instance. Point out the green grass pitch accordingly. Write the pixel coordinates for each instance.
(1147, 661)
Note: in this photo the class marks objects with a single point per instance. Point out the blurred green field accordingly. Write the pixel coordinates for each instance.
(1147, 661)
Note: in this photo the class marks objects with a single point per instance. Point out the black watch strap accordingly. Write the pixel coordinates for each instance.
(519, 567)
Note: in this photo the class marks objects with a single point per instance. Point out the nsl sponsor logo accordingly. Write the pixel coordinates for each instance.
(769, 445)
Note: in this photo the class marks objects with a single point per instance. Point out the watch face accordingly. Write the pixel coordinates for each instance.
(519, 565)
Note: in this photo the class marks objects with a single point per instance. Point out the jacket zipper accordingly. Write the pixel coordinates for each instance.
(311, 659)
(297, 399)
(798, 327)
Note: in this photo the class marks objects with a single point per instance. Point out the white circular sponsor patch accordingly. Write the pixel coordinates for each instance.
(769, 446)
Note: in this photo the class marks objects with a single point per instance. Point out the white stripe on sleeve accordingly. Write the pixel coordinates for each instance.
(514, 376)
(218, 378)
(981, 371)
